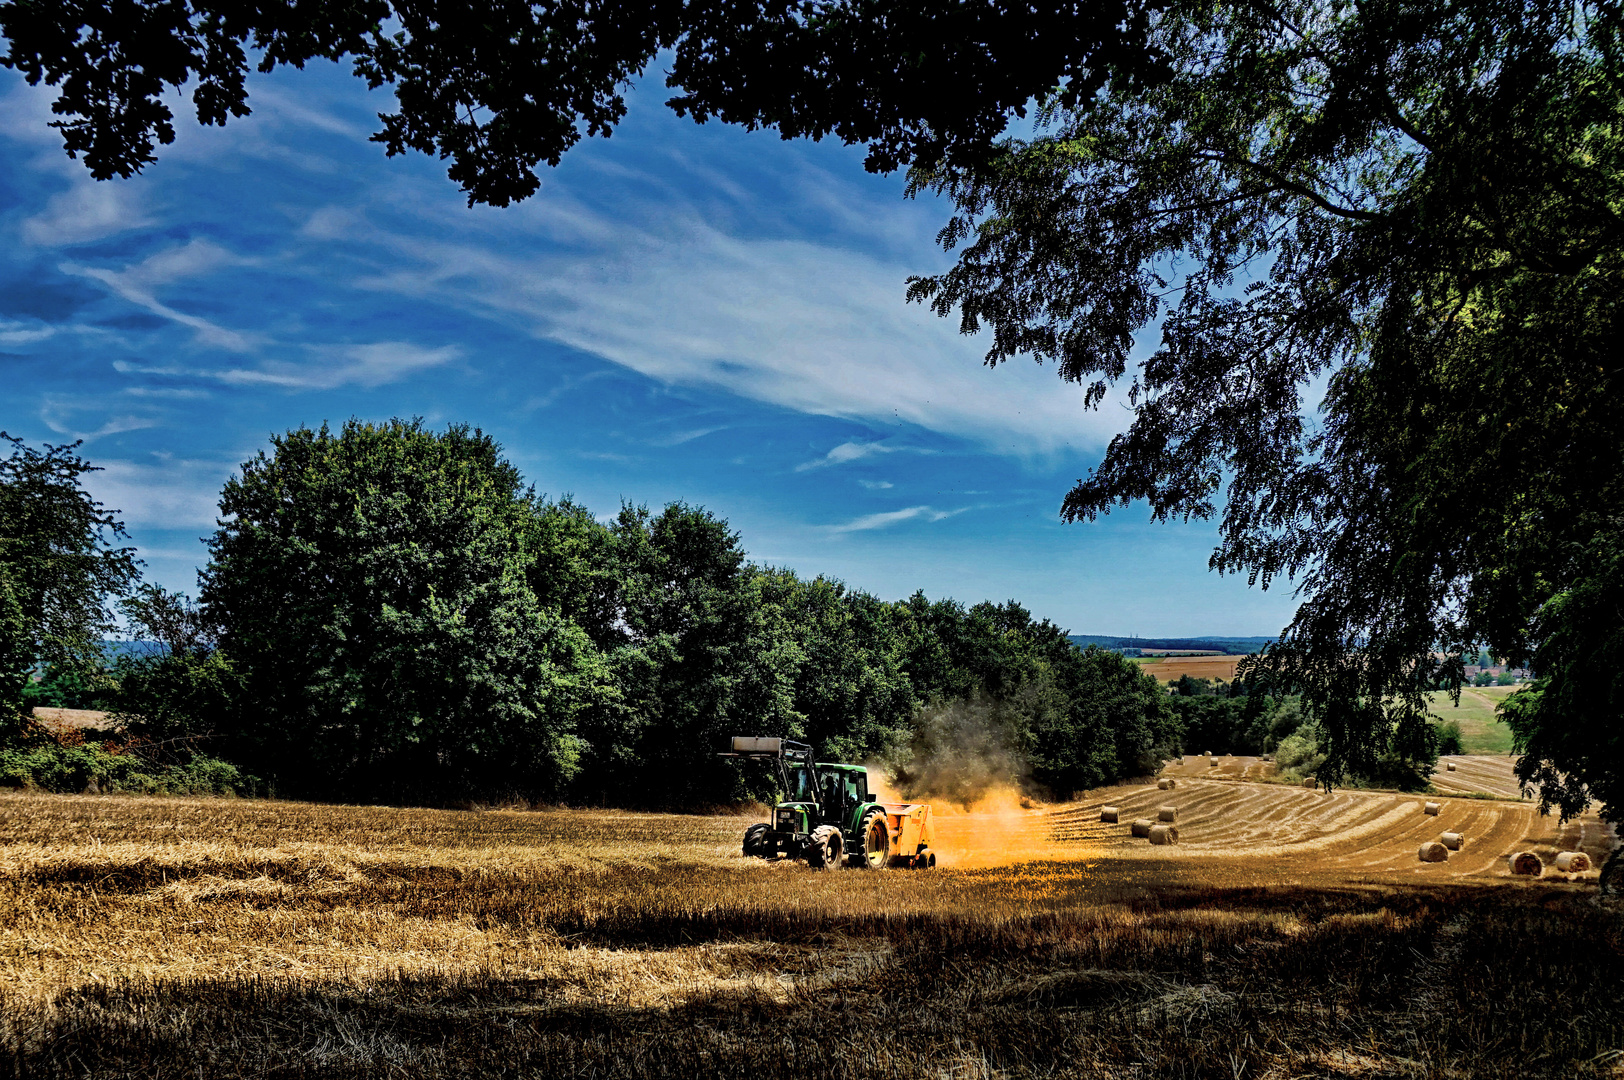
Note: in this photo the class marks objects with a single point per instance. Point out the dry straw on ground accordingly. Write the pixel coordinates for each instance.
(217, 938)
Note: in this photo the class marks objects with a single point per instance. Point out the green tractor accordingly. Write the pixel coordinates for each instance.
(829, 817)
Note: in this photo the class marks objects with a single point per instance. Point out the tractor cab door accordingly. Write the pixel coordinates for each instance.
(840, 796)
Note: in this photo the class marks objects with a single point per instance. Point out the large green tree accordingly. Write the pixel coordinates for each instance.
(1414, 212)
(371, 587)
(62, 565)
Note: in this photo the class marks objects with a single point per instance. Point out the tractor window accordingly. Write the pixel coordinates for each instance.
(842, 791)
(801, 786)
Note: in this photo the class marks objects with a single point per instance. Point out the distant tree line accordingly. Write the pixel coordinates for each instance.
(1248, 716)
(391, 613)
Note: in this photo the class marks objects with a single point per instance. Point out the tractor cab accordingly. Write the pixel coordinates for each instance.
(829, 816)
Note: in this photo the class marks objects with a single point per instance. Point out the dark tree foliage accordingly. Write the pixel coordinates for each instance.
(852, 692)
(1071, 719)
(169, 621)
(1567, 723)
(701, 654)
(178, 692)
(61, 565)
(500, 88)
(74, 686)
(1416, 204)
(370, 586)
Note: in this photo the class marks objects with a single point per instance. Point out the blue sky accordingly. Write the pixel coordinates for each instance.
(682, 312)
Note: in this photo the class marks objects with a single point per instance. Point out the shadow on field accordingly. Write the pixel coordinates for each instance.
(1188, 982)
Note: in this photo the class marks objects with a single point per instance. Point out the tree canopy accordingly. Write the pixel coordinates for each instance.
(1414, 209)
(500, 88)
(371, 586)
(398, 616)
(61, 567)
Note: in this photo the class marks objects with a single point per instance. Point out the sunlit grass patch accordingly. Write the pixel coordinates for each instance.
(1482, 732)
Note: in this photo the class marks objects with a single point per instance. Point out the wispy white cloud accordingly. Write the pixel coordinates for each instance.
(847, 451)
(62, 415)
(564, 386)
(877, 485)
(138, 283)
(812, 327)
(16, 333)
(88, 210)
(370, 365)
(165, 494)
(172, 393)
(677, 438)
(893, 517)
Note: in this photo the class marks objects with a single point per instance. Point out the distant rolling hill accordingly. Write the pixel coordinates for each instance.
(1230, 646)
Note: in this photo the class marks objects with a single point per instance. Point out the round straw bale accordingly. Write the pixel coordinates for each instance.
(1172, 782)
(1527, 863)
(1108, 813)
(1141, 828)
(1163, 784)
(1432, 851)
(1450, 765)
(1164, 834)
(1572, 862)
(1310, 782)
(1212, 763)
(1207, 754)
(1433, 808)
(1168, 814)
(1452, 840)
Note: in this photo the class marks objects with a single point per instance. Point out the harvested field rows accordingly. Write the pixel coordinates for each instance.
(1167, 669)
(1490, 774)
(1228, 767)
(1347, 832)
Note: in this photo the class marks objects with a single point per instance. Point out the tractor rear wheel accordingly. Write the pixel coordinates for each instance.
(755, 842)
(823, 850)
(876, 834)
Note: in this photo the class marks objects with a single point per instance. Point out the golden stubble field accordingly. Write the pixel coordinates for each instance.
(193, 937)
(1169, 668)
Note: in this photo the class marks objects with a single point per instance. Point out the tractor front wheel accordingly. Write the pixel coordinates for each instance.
(755, 842)
(876, 836)
(824, 849)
